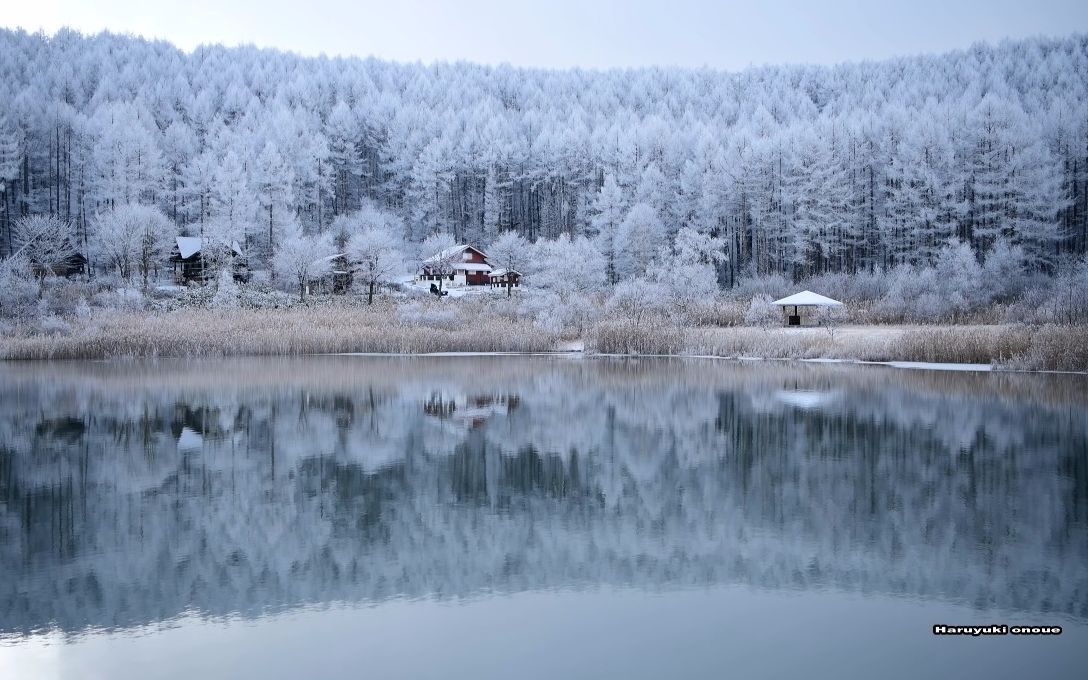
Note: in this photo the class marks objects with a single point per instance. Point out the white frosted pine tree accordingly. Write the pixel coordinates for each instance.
(274, 184)
(343, 132)
(233, 201)
(608, 214)
(641, 240)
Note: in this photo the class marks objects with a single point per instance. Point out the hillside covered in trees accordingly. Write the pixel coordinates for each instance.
(798, 170)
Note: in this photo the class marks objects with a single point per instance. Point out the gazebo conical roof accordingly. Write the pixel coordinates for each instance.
(807, 298)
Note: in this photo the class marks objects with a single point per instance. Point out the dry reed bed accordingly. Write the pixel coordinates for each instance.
(327, 328)
(314, 330)
(1054, 348)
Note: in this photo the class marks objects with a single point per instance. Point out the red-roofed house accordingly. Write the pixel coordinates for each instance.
(463, 265)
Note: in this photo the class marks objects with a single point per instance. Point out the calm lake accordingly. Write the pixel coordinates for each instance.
(538, 517)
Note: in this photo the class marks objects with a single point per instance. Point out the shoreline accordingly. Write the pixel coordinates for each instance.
(941, 367)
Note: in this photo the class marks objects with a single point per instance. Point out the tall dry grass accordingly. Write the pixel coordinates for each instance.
(302, 330)
(1053, 348)
(645, 336)
(428, 327)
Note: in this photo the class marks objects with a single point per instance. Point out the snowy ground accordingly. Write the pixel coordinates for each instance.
(417, 287)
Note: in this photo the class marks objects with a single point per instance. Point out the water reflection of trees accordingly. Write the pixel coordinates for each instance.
(123, 502)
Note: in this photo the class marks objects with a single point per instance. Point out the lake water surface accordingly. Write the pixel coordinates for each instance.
(538, 517)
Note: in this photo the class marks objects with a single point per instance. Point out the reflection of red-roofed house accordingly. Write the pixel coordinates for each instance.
(463, 265)
(471, 411)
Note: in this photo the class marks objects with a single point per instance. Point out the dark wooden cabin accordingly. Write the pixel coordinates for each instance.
(72, 265)
(190, 266)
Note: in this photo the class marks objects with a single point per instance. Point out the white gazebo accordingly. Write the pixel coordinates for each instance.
(804, 299)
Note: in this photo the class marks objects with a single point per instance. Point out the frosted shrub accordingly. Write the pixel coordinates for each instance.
(560, 315)
(959, 277)
(691, 288)
(1003, 271)
(252, 296)
(18, 290)
(54, 326)
(637, 298)
(1070, 293)
(434, 315)
(226, 291)
(951, 289)
(506, 307)
(831, 318)
(575, 314)
(121, 299)
(540, 306)
(129, 299)
(762, 313)
(61, 297)
(82, 311)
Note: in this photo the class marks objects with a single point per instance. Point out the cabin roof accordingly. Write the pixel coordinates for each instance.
(471, 266)
(807, 298)
(191, 245)
(446, 254)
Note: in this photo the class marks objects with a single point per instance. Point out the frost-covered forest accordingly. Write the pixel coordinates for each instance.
(931, 188)
(800, 170)
(131, 493)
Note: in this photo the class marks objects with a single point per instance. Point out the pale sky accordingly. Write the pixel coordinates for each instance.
(565, 33)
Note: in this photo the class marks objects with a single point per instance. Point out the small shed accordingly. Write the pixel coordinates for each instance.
(337, 280)
(802, 305)
(505, 278)
(67, 267)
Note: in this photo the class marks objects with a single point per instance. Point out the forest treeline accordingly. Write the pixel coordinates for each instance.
(795, 170)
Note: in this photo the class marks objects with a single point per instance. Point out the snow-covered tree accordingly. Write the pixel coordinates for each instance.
(132, 237)
(127, 154)
(510, 252)
(376, 258)
(854, 169)
(302, 258)
(9, 171)
(608, 213)
(492, 204)
(762, 313)
(343, 132)
(438, 253)
(233, 201)
(641, 239)
(638, 298)
(568, 266)
(960, 277)
(18, 291)
(44, 241)
(693, 247)
(1003, 270)
(274, 181)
